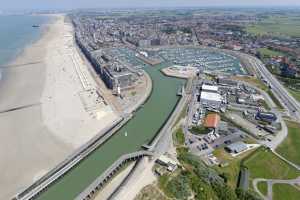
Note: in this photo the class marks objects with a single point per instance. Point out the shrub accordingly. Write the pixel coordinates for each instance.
(178, 187)
(246, 195)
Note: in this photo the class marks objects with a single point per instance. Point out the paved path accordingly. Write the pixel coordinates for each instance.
(142, 174)
(270, 183)
(114, 183)
(162, 142)
(286, 160)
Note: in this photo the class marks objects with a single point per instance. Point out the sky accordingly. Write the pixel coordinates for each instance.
(73, 4)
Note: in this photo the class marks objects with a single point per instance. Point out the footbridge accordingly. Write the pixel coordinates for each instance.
(98, 184)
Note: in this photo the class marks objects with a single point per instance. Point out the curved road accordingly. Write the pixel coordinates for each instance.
(270, 183)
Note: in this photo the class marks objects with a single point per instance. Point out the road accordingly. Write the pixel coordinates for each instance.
(270, 183)
(141, 175)
(164, 139)
(278, 89)
(287, 161)
(282, 134)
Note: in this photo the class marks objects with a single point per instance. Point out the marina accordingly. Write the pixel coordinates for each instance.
(142, 128)
(149, 101)
(206, 60)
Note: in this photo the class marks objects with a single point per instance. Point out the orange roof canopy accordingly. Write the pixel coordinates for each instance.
(212, 121)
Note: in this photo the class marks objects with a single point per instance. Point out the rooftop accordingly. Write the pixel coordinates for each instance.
(121, 71)
(211, 96)
(237, 147)
(213, 88)
(212, 121)
(167, 160)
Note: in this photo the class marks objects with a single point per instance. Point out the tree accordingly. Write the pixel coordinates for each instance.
(246, 195)
(179, 187)
(224, 192)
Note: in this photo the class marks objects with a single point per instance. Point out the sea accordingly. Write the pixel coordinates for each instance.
(16, 32)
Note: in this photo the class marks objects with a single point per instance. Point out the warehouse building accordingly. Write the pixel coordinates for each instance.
(211, 99)
(209, 96)
(237, 147)
(209, 88)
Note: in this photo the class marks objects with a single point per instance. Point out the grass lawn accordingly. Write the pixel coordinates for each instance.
(233, 169)
(253, 81)
(274, 29)
(183, 113)
(179, 137)
(290, 147)
(199, 130)
(275, 100)
(285, 191)
(270, 53)
(264, 164)
(295, 94)
(163, 181)
(256, 30)
(263, 187)
(277, 25)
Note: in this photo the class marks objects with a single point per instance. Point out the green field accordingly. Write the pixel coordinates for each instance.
(269, 53)
(285, 191)
(277, 25)
(275, 100)
(264, 164)
(295, 94)
(253, 81)
(233, 169)
(263, 187)
(290, 147)
(178, 137)
(199, 130)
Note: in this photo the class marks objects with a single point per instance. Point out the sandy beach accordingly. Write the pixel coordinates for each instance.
(49, 106)
(139, 178)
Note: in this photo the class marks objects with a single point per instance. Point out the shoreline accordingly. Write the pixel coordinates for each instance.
(99, 138)
(40, 91)
(20, 51)
(23, 86)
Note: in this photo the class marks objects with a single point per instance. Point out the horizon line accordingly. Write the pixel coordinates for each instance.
(155, 7)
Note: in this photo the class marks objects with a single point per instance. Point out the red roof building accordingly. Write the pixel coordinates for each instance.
(212, 121)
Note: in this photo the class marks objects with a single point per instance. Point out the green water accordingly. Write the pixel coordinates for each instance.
(141, 129)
